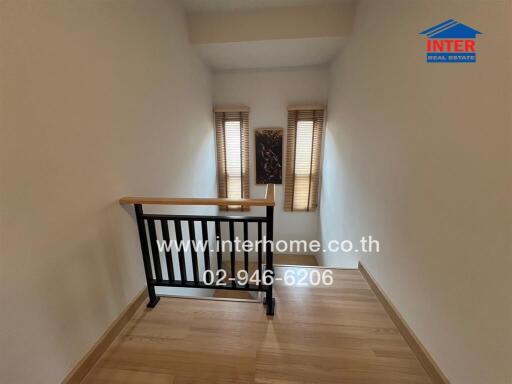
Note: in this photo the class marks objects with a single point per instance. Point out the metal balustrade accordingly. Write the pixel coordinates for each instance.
(150, 237)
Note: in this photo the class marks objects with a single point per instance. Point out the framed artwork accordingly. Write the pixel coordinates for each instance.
(269, 155)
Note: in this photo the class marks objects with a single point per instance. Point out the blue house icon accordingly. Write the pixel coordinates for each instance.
(451, 29)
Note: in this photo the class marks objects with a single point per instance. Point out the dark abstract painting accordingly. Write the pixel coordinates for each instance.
(269, 155)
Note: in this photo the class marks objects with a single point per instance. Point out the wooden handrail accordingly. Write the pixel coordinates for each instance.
(266, 202)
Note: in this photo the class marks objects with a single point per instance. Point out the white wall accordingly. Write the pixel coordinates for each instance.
(98, 99)
(268, 93)
(418, 155)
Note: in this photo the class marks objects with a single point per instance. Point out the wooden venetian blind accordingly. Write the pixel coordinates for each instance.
(232, 138)
(304, 142)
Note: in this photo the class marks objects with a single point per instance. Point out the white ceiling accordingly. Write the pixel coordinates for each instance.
(270, 53)
(231, 5)
(236, 39)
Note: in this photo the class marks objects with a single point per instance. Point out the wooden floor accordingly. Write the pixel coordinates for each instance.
(295, 259)
(285, 259)
(336, 334)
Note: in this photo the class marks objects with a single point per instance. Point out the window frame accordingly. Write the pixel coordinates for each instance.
(223, 115)
(295, 115)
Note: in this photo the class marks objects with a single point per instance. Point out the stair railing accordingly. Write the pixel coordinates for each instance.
(154, 264)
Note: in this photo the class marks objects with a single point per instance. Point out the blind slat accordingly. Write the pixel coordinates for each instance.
(232, 155)
(303, 159)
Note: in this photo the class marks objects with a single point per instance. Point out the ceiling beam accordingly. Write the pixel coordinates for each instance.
(271, 24)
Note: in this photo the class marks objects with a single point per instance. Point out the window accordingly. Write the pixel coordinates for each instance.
(232, 137)
(304, 142)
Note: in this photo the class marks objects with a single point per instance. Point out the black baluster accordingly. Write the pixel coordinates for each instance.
(153, 298)
(246, 254)
(154, 250)
(206, 253)
(232, 238)
(168, 252)
(218, 239)
(181, 254)
(269, 300)
(192, 238)
(260, 251)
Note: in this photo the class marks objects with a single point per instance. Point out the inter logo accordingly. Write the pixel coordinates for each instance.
(451, 42)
